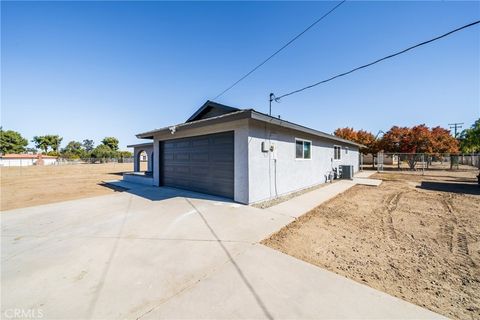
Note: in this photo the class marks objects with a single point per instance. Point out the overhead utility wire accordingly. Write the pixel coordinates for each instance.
(277, 99)
(283, 47)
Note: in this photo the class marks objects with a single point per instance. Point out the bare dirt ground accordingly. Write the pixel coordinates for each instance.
(414, 237)
(34, 185)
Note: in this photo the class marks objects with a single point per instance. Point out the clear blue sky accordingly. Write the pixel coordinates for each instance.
(95, 69)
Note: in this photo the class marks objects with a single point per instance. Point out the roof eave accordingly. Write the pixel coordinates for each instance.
(238, 115)
(242, 114)
(146, 144)
(287, 124)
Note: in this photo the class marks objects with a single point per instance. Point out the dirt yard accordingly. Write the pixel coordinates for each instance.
(34, 185)
(415, 237)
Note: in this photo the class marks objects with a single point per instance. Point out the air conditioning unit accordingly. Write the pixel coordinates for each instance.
(347, 172)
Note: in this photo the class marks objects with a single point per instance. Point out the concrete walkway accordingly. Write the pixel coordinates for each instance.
(152, 252)
(263, 283)
(300, 205)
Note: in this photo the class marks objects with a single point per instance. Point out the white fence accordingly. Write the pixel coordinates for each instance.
(60, 161)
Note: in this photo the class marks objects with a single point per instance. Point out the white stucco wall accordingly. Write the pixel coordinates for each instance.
(25, 162)
(16, 162)
(269, 178)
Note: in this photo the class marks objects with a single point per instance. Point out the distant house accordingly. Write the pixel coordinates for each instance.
(22, 160)
(388, 159)
(240, 154)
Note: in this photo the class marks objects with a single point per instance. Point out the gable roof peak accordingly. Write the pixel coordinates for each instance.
(211, 109)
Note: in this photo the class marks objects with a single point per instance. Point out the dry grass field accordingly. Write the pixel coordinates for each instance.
(34, 185)
(415, 237)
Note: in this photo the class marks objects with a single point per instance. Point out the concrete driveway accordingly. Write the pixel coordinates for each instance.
(164, 253)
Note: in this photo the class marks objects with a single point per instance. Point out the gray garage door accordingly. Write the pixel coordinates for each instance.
(201, 163)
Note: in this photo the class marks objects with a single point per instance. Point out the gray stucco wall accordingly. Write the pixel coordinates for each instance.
(276, 173)
(150, 156)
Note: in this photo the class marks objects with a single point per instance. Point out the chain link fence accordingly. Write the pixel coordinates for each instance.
(384, 161)
(61, 161)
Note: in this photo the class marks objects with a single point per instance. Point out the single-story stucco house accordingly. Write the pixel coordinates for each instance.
(240, 154)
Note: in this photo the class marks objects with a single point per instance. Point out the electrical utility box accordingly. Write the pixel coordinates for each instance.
(347, 172)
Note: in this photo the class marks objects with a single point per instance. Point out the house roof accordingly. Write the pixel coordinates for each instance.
(238, 114)
(203, 111)
(139, 145)
(25, 156)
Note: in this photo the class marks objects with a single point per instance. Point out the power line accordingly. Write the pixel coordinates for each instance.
(377, 61)
(283, 47)
(456, 126)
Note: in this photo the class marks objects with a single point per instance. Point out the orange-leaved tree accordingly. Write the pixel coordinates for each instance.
(418, 139)
(411, 141)
(346, 133)
(443, 141)
(361, 136)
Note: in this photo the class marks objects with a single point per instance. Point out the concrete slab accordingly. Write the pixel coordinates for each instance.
(149, 252)
(365, 173)
(113, 256)
(135, 282)
(367, 182)
(265, 284)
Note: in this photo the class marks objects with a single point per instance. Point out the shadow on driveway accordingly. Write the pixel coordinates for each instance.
(158, 193)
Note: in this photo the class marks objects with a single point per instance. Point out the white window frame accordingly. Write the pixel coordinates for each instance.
(303, 150)
(339, 154)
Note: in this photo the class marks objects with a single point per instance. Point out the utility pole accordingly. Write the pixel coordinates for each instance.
(272, 96)
(455, 126)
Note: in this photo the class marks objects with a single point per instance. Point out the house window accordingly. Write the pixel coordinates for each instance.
(337, 152)
(303, 149)
(346, 150)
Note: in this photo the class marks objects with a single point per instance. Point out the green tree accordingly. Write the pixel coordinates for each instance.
(54, 142)
(48, 141)
(124, 154)
(103, 152)
(121, 155)
(41, 143)
(73, 150)
(88, 145)
(111, 142)
(470, 138)
(12, 142)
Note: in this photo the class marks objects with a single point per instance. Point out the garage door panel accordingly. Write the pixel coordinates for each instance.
(182, 144)
(223, 157)
(203, 163)
(181, 170)
(167, 156)
(200, 156)
(176, 182)
(199, 142)
(199, 171)
(181, 156)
